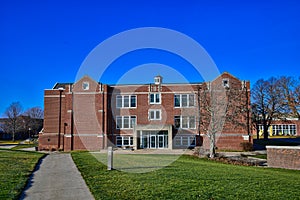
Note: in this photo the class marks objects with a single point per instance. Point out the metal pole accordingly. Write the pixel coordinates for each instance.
(59, 119)
(110, 158)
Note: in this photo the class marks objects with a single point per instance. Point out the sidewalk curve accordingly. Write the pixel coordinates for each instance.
(57, 177)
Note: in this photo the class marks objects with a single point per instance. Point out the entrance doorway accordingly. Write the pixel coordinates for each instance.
(153, 139)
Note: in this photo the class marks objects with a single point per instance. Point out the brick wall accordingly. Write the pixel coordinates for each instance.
(283, 157)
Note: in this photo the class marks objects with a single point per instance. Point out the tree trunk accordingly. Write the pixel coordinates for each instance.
(266, 134)
(13, 136)
(212, 148)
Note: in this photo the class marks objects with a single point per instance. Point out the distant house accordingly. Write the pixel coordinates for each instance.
(92, 115)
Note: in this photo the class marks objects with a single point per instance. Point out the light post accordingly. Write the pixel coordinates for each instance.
(29, 129)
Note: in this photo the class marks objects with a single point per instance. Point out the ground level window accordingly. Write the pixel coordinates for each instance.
(124, 141)
(185, 141)
(279, 130)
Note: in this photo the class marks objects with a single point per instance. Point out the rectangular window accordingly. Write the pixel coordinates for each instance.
(126, 101)
(191, 100)
(119, 141)
(119, 101)
(154, 98)
(185, 122)
(133, 101)
(119, 122)
(293, 129)
(154, 114)
(192, 122)
(177, 121)
(125, 122)
(176, 100)
(132, 121)
(184, 100)
(185, 141)
(124, 141)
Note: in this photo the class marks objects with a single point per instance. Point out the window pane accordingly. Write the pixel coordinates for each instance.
(184, 100)
(133, 101)
(151, 98)
(126, 122)
(177, 141)
(119, 122)
(125, 140)
(151, 114)
(133, 121)
(177, 100)
(157, 98)
(192, 123)
(191, 100)
(157, 115)
(119, 101)
(184, 122)
(119, 141)
(177, 121)
(185, 141)
(126, 101)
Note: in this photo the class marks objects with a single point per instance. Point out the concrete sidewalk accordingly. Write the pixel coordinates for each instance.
(57, 177)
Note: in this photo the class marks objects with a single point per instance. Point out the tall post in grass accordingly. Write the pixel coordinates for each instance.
(110, 158)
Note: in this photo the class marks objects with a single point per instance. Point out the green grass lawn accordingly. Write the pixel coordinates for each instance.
(187, 178)
(15, 169)
(23, 146)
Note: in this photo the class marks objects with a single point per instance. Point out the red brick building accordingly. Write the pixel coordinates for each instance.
(91, 115)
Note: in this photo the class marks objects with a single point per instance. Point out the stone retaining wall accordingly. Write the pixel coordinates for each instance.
(283, 157)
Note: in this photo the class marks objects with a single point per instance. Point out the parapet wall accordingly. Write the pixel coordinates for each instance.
(283, 157)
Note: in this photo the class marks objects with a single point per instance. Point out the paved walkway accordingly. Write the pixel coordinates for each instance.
(57, 177)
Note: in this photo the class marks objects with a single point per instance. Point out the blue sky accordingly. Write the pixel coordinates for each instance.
(44, 42)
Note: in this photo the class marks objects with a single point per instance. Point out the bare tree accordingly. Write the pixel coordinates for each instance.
(213, 107)
(223, 107)
(13, 124)
(34, 120)
(267, 102)
(290, 89)
(35, 113)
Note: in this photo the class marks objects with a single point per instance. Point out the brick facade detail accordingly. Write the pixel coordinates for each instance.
(283, 157)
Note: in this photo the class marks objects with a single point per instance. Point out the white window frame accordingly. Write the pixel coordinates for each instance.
(225, 82)
(131, 122)
(188, 102)
(85, 85)
(155, 113)
(122, 139)
(188, 118)
(281, 129)
(155, 94)
(122, 98)
(189, 138)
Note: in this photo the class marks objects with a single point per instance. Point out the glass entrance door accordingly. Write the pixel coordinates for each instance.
(152, 141)
(161, 141)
